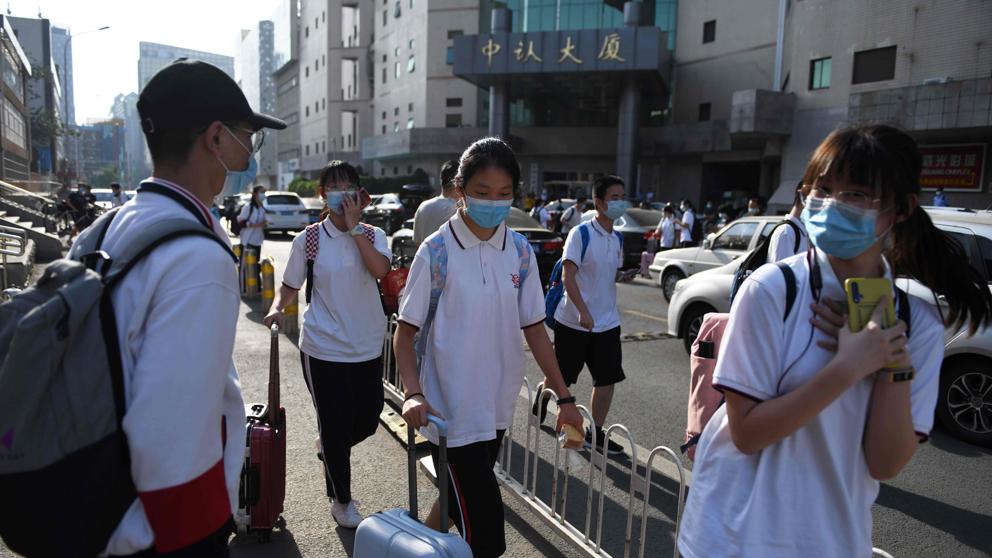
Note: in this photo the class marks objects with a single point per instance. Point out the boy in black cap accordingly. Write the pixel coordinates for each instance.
(176, 315)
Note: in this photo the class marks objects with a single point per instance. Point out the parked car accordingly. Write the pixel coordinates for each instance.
(634, 225)
(315, 206)
(412, 195)
(386, 211)
(104, 196)
(555, 211)
(546, 244)
(285, 212)
(964, 404)
(733, 240)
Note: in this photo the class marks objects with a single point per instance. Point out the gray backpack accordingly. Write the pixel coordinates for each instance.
(65, 470)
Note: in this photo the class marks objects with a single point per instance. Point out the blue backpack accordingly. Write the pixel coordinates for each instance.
(556, 287)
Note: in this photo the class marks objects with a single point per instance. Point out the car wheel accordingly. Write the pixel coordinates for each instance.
(964, 405)
(691, 321)
(668, 281)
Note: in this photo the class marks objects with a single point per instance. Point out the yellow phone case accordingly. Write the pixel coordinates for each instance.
(863, 294)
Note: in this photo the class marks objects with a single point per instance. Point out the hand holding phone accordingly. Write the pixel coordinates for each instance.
(863, 295)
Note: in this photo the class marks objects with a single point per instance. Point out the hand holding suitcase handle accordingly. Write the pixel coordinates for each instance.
(442, 475)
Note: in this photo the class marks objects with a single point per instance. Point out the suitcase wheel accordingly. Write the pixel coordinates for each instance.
(281, 523)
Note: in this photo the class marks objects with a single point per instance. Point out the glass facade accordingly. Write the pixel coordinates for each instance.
(567, 15)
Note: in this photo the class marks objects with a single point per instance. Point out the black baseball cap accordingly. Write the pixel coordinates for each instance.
(188, 94)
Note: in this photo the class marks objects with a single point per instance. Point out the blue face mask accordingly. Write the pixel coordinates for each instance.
(238, 181)
(616, 208)
(335, 201)
(488, 214)
(839, 229)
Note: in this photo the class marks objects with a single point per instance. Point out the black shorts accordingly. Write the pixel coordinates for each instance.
(475, 503)
(599, 351)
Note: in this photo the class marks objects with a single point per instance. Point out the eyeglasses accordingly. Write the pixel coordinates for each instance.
(853, 198)
(257, 138)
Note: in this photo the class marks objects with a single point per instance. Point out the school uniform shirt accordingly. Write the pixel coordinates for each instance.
(117, 200)
(688, 220)
(667, 229)
(474, 363)
(809, 494)
(344, 322)
(430, 216)
(544, 217)
(783, 241)
(177, 312)
(252, 216)
(596, 278)
(571, 218)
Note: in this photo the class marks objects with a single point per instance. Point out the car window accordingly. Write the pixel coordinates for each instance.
(102, 196)
(735, 237)
(645, 217)
(985, 247)
(767, 229)
(282, 199)
(518, 219)
(389, 198)
(621, 222)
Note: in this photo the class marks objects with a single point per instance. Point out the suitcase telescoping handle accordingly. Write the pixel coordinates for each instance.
(442, 472)
(274, 375)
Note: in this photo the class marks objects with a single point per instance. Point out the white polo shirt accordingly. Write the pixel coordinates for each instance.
(474, 364)
(783, 240)
(571, 218)
(688, 220)
(596, 278)
(809, 494)
(344, 322)
(252, 216)
(177, 313)
(430, 216)
(667, 229)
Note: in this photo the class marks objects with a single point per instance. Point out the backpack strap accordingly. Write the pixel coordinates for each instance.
(795, 229)
(438, 254)
(903, 310)
(311, 245)
(584, 235)
(790, 287)
(523, 254)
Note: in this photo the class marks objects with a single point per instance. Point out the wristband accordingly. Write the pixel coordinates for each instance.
(358, 230)
(412, 395)
(897, 375)
(566, 400)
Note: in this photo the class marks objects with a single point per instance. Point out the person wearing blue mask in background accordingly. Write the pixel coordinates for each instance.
(343, 327)
(472, 361)
(252, 220)
(587, 321)
(814, 417)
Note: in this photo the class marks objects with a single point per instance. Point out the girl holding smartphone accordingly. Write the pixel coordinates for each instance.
(473, 365)
(343, 328)
(791, 464)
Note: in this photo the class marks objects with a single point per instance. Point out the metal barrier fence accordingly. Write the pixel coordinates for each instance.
(553, 512)
(13, 242)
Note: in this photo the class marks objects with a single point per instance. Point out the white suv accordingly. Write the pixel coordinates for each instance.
(285, 212)
(964, 405)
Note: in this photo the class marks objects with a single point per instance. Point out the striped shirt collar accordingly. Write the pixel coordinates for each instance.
(185, 193)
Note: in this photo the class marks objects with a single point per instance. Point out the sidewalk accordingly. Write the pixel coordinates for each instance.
(379, 465)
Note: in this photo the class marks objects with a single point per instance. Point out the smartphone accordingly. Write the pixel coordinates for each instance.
(863, 294)
(364, 199)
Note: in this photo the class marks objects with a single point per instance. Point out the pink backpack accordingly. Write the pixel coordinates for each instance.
(704, 400)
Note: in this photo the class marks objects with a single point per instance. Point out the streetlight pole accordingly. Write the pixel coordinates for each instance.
(65, 92)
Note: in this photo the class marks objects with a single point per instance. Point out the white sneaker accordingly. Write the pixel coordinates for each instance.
(346, 515)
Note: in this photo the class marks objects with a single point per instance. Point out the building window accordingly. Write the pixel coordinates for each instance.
(307, 149)
(323, 104)
(877, 64)
(453, 102)
(409, 169)
(323, 146)
(396, 171)
(306, 110)
(383, 115)
(316, 22)
(450, 56)
(452, 33)
(409, 123)
(396, 111)
(385, 17)
(704, 112)
(452, 120)
(383, 128)
(396, 126)
(411, 65)
(316, 64)
(396, 70)
(413, 44)
(411, 4)
(323, 59)
(396, 52)
(323, 16)
(399, 8)
(410, 107)
(306, 71)
(819, 73)
(382, 172)
(306, 31)
(316, 107)
(709, 31)
(383, 75)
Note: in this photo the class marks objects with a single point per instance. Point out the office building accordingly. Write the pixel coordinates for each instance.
(15, 130)
(285, 76)
(153, 57)
(136, 167)
(253, 69)
(102, 154)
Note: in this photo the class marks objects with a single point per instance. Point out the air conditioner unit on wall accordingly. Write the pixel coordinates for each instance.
(937, 80)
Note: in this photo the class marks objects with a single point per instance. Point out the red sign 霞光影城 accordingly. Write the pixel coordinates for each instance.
(952, 167)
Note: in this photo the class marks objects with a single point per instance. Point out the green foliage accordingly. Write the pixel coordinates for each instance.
(305, 188)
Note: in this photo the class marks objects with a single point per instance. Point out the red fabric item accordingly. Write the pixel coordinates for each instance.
(704, 399)
(391, 286)
(184, 514)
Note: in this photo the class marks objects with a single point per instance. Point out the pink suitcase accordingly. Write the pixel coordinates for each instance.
(263, 477)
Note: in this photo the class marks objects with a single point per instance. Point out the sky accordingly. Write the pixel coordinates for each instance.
(105, 63)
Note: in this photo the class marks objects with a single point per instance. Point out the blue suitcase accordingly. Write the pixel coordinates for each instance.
(397, 533)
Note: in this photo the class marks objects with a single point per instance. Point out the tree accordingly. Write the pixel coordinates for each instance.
(305, 188)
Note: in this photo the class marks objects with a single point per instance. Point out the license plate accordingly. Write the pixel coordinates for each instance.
(287, 213)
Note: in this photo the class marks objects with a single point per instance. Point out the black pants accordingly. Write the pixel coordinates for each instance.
(348, 397)
(213, 546)
(475, 503)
